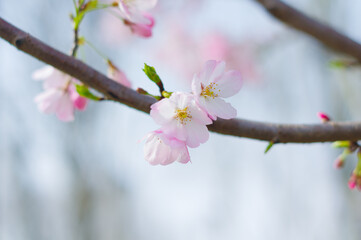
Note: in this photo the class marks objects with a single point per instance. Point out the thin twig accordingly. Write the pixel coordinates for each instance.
(283, 133)
(320, 31)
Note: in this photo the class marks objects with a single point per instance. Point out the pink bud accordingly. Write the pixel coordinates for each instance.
(353, 181)
(352, 184)
(324, 117)
(339, 162)
(80, 103)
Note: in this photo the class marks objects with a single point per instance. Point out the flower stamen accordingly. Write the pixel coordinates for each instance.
(183, 115)
(210, 90)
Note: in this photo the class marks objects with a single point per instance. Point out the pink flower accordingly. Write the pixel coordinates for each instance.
(60, 96)
(140, 29)
(211, 85)
(181, 118)
(56, 101)
(134, 15)
(160, 149)
(117, 75)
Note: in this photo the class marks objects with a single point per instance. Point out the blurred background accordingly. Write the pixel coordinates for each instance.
(88, 179)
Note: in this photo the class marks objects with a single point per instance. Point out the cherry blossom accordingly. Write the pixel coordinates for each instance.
(134, 15)
(181, 118)
(212, 84)
(60, 96)
(163, 150)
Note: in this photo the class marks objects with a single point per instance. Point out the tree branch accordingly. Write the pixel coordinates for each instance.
(281, 133)
(322, 32)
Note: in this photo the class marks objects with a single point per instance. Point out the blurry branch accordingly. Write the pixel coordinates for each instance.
(278, 133)
(322, 32)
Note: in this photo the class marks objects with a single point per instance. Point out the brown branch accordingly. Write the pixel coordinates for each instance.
(74, 50)
(237, 127)
(322, 32)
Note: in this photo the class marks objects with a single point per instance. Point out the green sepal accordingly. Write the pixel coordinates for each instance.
(341, 144)
(84, 92)
(143, 92)
(270, 145)
(166, 94)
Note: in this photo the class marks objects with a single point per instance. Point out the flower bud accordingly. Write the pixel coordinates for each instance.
(339, 162)
(324, 117)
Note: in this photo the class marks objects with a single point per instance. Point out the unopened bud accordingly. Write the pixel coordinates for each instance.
(324, 117)
(339, 162)
(352, 181)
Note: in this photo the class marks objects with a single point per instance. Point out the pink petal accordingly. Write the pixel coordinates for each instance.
(229, 84)
(118, 76)
(176, 130)
(48, 101)
(43, 73)
(157, 150)
(217, 72)
(207, 71)
(196, 85)
(65, 109)
(218, 107)
(199, 115)
(163, 111)
(142, 30)
(180, 155)
(197, 134)
(182, 100)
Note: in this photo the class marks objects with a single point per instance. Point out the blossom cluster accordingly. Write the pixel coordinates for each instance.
(184, 117)
(60, 96)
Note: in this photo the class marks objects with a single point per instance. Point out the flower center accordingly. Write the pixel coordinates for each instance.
(183, 115)
(210, 90)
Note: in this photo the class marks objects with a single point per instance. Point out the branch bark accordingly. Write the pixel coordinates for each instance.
(279, 133)
(322, 32)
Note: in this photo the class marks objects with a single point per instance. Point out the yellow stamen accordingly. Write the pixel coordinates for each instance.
(183, 115)
(210, 90)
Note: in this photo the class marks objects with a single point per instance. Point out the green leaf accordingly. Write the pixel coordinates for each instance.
(153, 76)
(84, 92)
(341, 144)
(270, 145)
